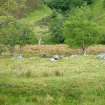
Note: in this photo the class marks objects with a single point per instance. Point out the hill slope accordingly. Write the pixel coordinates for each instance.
(37, 15)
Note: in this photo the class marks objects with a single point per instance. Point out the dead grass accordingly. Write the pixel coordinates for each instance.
(48, 50)
(96, 49)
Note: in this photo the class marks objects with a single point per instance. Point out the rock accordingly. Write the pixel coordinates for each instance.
(101, 56)
(56, 58)
(52, 60)
(20, 58)
(31, 58)
(73, 56)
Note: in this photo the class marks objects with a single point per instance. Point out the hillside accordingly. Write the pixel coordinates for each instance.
(37, 15)
(35, 20)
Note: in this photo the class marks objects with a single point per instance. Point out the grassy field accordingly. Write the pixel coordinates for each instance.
(37, 81)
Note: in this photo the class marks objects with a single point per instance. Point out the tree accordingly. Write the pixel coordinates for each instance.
(81, 29)
(25, 36)
(18, 8)
(14, 33)
(65, 5)
(55, 26)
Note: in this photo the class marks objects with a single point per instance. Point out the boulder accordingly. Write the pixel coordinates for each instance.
(56, 58)
(74, 56)
(52, 60)
(101, 56)
(20, 58)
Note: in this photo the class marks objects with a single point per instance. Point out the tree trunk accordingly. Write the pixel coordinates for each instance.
(40, 41)
(12, 50)
(83, 48)
(83, 51)
(20, 50)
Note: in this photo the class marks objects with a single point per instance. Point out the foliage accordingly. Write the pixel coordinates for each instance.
(19, 16)
(64, 5)
(18, 9)
(81, 29)
(13, 33)
(60, 14)
(55, 26)
(25, 35)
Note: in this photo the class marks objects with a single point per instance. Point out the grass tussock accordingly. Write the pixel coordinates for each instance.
(3, 100)
(56, 73)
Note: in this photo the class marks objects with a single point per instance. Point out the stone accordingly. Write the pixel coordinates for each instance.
(56, 58)
(20, 58)
(101, 56)
(52, 60)
(74, 56)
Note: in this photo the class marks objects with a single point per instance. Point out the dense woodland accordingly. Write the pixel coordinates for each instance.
(78, 23)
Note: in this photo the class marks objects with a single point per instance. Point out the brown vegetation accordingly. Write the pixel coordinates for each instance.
(48, 50)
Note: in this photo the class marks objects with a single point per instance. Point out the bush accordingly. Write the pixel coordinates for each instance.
(80, 31)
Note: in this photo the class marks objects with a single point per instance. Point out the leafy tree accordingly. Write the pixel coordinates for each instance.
(81, 29)
(25, 36)
(65, 5)
(13, 33)
(55, 26)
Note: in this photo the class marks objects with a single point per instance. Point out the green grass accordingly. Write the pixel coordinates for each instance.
(37, 81)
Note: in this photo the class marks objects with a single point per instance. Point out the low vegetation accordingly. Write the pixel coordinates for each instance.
(75, 80)
(61, 49)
